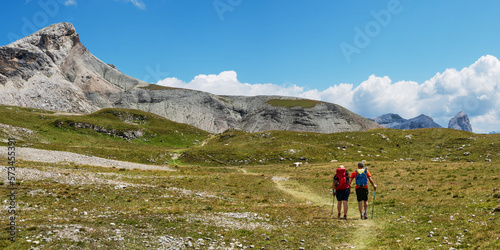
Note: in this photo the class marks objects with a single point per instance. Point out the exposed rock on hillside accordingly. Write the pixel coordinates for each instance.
(51, 69)
(125, 134)
(460, 122)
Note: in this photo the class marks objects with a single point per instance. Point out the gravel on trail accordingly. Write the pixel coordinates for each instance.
(49, 156)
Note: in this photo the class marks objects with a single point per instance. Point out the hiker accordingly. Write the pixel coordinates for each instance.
(362, 176)
(341, 188)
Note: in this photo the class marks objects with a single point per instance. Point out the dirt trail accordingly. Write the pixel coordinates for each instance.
(300, 191)
(364, 231)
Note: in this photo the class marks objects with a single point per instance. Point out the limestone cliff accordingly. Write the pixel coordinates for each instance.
(51, 69)
(461, 122)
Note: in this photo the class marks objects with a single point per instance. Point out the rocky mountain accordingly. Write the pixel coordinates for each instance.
(421, 121)
(397, 122)
(461, 122)
(51, 69)
(390, 120)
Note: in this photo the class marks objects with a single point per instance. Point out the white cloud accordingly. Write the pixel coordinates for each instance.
(226, 83)
(137, 3)
(474, 90)
(70, 2)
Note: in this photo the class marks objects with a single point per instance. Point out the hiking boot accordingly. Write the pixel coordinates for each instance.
(366, 216)
(345, 217)
(338, 216)
(362, 217)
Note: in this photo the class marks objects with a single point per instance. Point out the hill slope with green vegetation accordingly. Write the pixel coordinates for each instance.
(142, 137)
(436, 187)
(273, 147)
(128, 135)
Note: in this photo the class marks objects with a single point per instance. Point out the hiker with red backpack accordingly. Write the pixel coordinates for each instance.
(341, 188)
(362, 176)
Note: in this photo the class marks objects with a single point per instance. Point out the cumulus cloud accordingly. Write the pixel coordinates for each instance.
(226, 83)
(474, 90)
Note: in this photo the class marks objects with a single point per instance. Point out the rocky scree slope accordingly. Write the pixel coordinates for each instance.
(51, 69)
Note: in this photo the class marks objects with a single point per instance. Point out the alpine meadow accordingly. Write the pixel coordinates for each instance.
(437, 188)
(249, 124)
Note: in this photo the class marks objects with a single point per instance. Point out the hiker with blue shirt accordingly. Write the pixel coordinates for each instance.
(362, 176)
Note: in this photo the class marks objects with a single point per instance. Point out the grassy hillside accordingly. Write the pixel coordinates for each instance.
(287, 103)
(106, 133)
(241, 148)
(437, 188)
(100, 133)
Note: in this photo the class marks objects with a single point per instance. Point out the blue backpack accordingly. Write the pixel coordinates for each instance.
(361, 177)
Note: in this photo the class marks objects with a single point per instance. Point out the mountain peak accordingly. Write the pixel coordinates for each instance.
(422, 116)
(389, 120)
(41, 52)
(461, 122)
(48, 35)
(397, 122)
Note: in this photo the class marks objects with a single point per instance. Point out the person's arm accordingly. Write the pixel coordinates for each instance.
(333, 186)
(371, 181)
(353, 176)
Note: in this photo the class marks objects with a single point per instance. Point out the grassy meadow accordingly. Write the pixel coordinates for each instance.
(437, 188)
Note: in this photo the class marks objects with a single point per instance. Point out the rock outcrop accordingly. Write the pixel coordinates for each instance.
(51, 69)
(461, 122)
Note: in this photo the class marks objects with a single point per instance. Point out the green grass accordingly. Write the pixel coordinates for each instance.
(274, 147)
(156, 87)
(303, 103)
(247, 205)
(240, 188)
(161, 137)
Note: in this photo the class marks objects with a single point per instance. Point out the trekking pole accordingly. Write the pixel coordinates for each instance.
(373, 207)
(333, 201)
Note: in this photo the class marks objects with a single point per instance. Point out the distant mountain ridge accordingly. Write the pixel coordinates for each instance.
(395, 121)
(52, 70)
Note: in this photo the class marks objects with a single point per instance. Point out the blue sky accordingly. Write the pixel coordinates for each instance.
(285, 47)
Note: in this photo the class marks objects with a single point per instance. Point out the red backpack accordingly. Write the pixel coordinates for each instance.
(341, 179)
